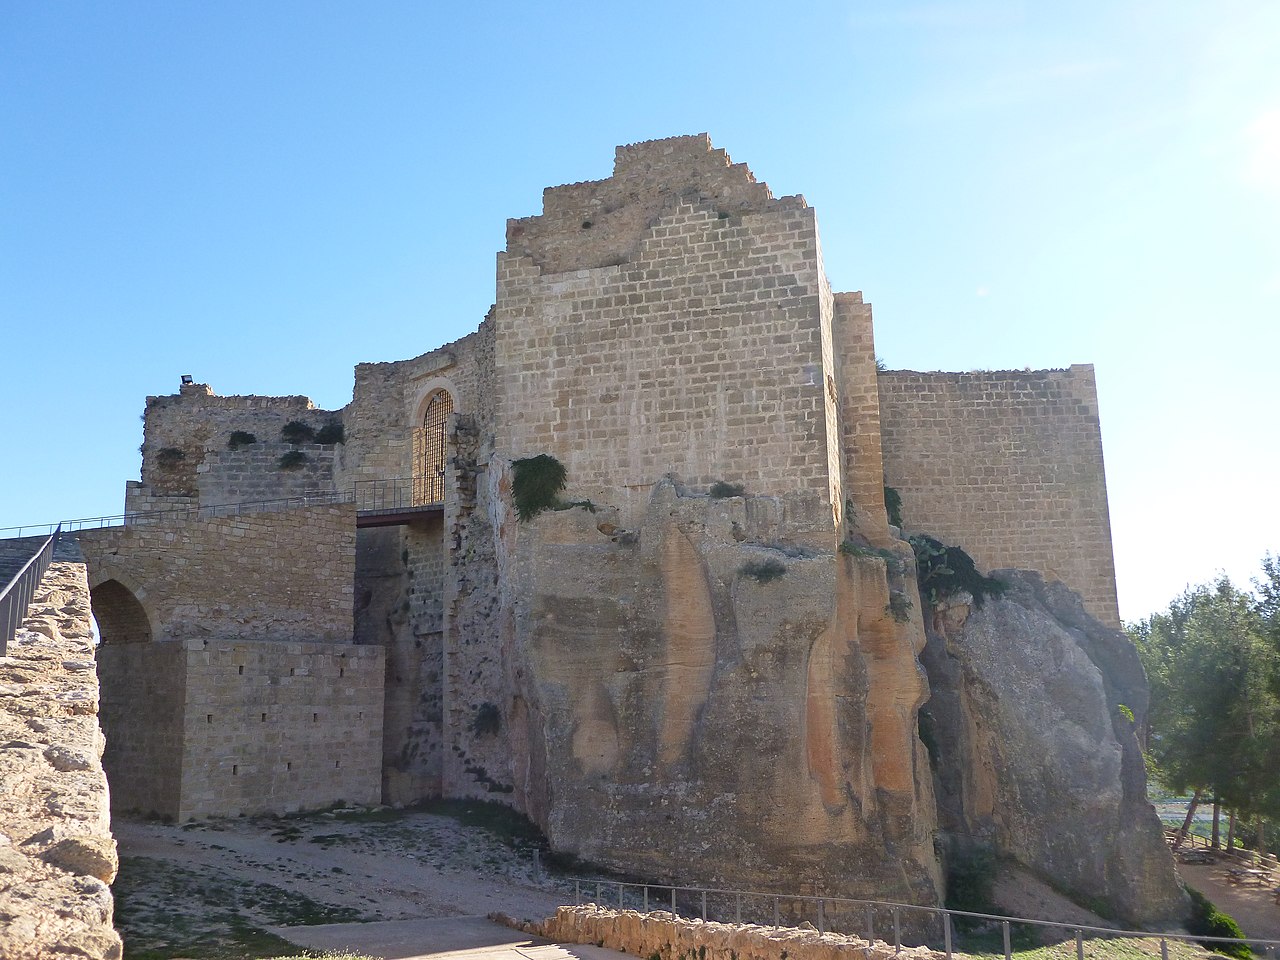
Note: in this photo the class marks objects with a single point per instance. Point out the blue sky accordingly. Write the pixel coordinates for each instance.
(262, 194)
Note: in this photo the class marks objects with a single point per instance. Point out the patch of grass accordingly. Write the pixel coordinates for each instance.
(293, 460)
(229, 924)
(723, 491)
(892, 561)
(295, 431)
(505, 825)
(240, 438)
(536, 483)
(762, 571)
(332, 432)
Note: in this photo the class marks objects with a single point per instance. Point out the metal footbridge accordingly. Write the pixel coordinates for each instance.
(379, 503)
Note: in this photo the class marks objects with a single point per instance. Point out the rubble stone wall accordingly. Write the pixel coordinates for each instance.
(57, 855)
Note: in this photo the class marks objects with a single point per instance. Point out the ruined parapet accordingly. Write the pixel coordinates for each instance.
(200, 449)
(57, 855)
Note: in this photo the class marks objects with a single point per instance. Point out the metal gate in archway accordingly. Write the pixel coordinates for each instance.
(429, 450)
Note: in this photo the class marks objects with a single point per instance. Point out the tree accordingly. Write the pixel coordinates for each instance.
(1214, 667)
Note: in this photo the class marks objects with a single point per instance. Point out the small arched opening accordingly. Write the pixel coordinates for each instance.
(120, 616)
(429, 447)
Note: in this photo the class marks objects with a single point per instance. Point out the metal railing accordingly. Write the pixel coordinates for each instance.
(846, 915)
(18, 593)
(368, 495)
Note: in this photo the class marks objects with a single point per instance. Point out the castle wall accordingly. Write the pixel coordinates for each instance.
(387, 403)
(271, 575)
(698, 354)
(144, 690)
(859, 392)
(1008, 465)
(185, 450)
(280, 727)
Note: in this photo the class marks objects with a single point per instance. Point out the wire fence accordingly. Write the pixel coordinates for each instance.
(937, 927)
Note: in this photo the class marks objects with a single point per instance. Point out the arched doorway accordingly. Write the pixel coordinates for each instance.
(120, 616)
(429, 446)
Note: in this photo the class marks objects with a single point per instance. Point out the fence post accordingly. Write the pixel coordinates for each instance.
(1079, 945)
(619, 896)
(577, 893)
(1164, 949)
(822, 915)
(1008, 947)
(599, 896)
(871, 924)
(704, 904)
(897, 931)
(737, 908)
(673, 903)
(775, 912)
(946, 931)
(646, 898)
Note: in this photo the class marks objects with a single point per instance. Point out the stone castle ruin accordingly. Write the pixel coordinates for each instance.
(710, 659)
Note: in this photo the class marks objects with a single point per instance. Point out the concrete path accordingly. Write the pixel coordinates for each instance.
(466, 938)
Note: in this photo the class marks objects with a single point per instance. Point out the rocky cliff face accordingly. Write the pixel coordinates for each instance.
(1033, 754)
(708, 698)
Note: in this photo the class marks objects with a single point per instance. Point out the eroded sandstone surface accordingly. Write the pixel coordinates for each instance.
(57, 855)
(1036, 757)
(720, 696)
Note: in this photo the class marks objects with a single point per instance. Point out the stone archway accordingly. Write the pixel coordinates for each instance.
(120, 615)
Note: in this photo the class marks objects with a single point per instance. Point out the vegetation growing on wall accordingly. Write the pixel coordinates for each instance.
(293, 460)
(240, 438)
(169, 457)
(899, 606)
(893, 506)
(723, 491)
(295, 431)
(487, 721)
(762, 571)
(536, 483)
(332, 432)
(944, 571)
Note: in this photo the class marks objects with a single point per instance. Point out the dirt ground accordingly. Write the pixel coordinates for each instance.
(1254, 908)
(195, 889)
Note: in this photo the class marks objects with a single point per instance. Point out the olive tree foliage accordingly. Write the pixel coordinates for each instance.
(1213, 662)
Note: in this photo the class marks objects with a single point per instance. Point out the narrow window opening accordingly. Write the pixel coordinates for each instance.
(240, 669)
(235, 769)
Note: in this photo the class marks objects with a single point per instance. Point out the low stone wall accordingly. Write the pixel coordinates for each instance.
(668, 937)
(57, 854)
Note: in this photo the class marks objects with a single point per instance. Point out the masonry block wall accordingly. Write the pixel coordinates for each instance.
(279, 727)
(1009, 466)
(271, 575)
(144, 691)
(388, 400)
(641, 331)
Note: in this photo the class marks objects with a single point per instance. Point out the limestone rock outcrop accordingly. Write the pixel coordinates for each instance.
(57, 855)
(722, 697)
(1035, 755)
